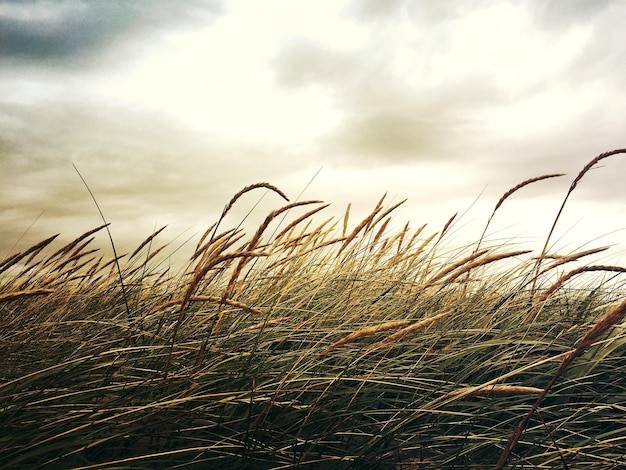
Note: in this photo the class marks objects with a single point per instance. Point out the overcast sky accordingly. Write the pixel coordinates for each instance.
(169, 108)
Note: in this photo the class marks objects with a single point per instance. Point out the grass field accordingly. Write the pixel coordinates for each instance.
(313, 343)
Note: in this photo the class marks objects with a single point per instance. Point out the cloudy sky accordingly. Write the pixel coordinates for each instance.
(169, 108)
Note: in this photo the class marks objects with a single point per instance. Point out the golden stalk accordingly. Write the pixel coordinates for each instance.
(12, 260)
(380, 231)
(454, 266)
(495, 390)
(561, 260)
(345, 221)
(447, 225)
(74, 242)
(398, 335)
(509, 193)
(484, 261)
(24, 293)
(365, 223)
(562, 280)
(298, 220)
(146, 241)
(580, 175)
(354, 336)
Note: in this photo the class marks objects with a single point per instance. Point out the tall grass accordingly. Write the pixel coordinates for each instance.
(325, 344)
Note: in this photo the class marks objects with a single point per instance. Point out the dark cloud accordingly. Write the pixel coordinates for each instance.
(423, 11)
(63, 31)
(552, 15)
(557, 14)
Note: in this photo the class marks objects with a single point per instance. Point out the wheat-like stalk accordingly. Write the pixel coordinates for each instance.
(562, 280)
(297, 221)
(146, 241)
(365, 223)
(509, 193)
(580, 175)
(495, 390)
(412, 328)
(14, 259)
(24, 293)
(320, 353)
(447, 225)
(561, 260)
(356, 335)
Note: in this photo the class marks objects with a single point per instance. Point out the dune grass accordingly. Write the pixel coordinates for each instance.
(312, 344)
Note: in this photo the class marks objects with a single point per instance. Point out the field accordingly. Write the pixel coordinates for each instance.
(313, 343)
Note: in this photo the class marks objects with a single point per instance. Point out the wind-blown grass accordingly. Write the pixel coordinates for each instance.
(320, 346)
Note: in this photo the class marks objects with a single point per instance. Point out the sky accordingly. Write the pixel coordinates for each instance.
(169, 108)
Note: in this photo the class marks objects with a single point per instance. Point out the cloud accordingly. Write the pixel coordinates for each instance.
(556, 15)
(303, 62)
(142, 168)
(392, 135)
(421, 10)
(66, 31)
(389, 117)
(482, 81)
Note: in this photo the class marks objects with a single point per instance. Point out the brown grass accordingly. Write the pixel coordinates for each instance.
(495, 390)
(365, 224)
(564, 259)
(510, 192)
(447, 225)
(562, 280)
(399, 335)
(580, 175)
(603, 325)
(24, 293)
(392, 325)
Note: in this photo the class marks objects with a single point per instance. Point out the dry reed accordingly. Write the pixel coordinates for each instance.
(346, 217)
(447, 225)
(146, 241)
(580, 175)
(258, 382)
(14, 259)
(364, 225)
(495, 390)
(73, 243)
(607, 322)
(401, 334)
(356, 335)
(5, 297)
(561, 260)
(510, 192)
(298, 220)
(562, 280)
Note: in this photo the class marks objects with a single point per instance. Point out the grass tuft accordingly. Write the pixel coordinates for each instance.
(318, 344)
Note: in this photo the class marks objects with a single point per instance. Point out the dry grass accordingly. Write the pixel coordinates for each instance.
(322, 345)
(392, 325)
(495, 390)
